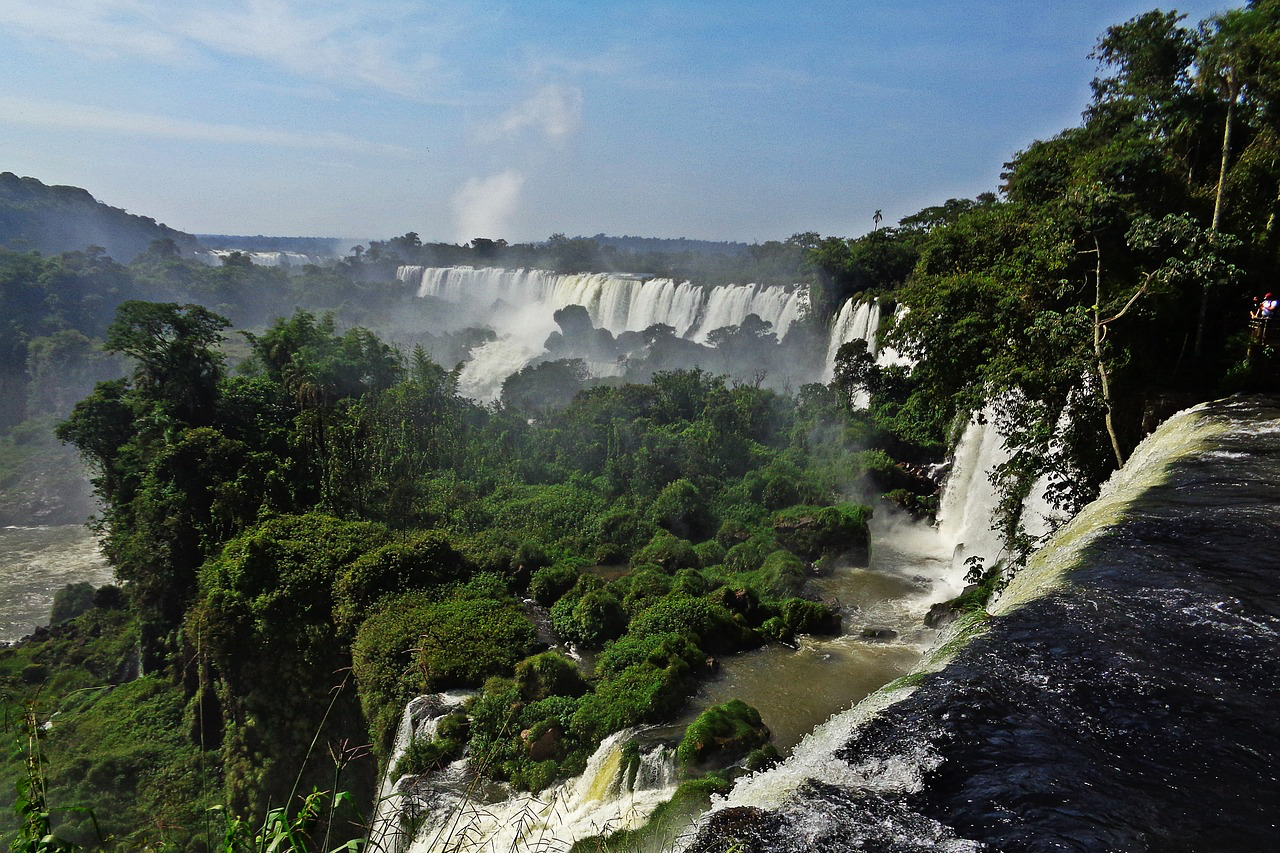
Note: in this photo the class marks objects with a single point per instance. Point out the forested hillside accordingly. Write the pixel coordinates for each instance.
(53, 219)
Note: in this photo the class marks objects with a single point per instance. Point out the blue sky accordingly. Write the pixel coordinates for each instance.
(717, 120)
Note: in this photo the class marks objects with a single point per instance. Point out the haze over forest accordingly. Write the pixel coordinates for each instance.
(478, 533)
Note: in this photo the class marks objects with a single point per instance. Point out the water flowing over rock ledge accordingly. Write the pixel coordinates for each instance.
(1122, 698)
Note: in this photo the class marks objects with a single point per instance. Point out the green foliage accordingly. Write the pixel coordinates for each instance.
(590, 617)
(811, 532)
(70, 601)
(722, 732)
(713, 627)
(418, 643)
(655, 650)
(681, 509)
(423, 560)
(548, 674)
(550, 582)
(668, 552)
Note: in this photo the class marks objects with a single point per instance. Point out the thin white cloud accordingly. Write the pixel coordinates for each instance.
(67, 116)
(483, 207)
(354, 45)
(553, 110)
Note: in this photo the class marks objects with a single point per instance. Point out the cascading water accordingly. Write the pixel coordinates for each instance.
(214, 257)
(857, 321)
(619, 303)
(1122, 699)
(968, 502)
(607, 797)
(860, 320)
(519, 305)
(395, 806)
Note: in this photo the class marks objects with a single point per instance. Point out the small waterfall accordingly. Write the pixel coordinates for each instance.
(969, 498)
(607, 797)
(857, 320)
(421, 717)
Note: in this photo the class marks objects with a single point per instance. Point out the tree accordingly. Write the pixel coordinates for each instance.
(173, 345)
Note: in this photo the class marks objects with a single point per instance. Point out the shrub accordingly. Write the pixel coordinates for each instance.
(657, 650)
(668, 552)
(712, 625)
(641, 588)
(639, 693)
(418, 644)
(723, 732)
(551, 582)
(749, 555)
(70, 601)
(710, 553)
(426, 559)
(548, 674)
(811, 532)
(809, 617)
(591, 617)
(681, 509)
(624, 529)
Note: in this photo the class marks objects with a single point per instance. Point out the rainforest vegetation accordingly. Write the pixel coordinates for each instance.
(310, 525)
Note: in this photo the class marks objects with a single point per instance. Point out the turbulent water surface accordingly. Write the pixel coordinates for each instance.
(1129, 705)
(35, 562)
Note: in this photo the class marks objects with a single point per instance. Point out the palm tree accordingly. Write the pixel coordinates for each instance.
(876, 218)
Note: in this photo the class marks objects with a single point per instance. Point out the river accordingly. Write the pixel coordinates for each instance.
(36, 562)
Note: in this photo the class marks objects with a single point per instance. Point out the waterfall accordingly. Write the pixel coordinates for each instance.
(857, 320)
(860, 320)
(615, 301)
(214, 257)
(969, 499)
(1121, 697)
(421, 717)
(520, 305)
(607, 797)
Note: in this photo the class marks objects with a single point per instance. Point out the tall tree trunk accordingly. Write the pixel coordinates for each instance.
(1217, 207)
(1104, 379)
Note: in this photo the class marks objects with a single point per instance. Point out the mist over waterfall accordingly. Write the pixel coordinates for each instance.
(617, 302)
(520, 306)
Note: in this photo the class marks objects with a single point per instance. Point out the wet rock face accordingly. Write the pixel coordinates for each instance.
(743, 829)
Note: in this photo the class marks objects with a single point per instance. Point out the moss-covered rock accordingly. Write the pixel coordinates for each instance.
(812, 532)
(722, 733)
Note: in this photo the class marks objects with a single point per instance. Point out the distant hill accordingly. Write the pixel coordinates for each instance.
(670, 246)
(53, 219)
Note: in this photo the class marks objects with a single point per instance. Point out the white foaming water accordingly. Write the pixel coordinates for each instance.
(420, 719)
(969, 500)
(603, 799)
(520, 305)
(856, 321)
(860, 320)
(615, 301)
(214, 257)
